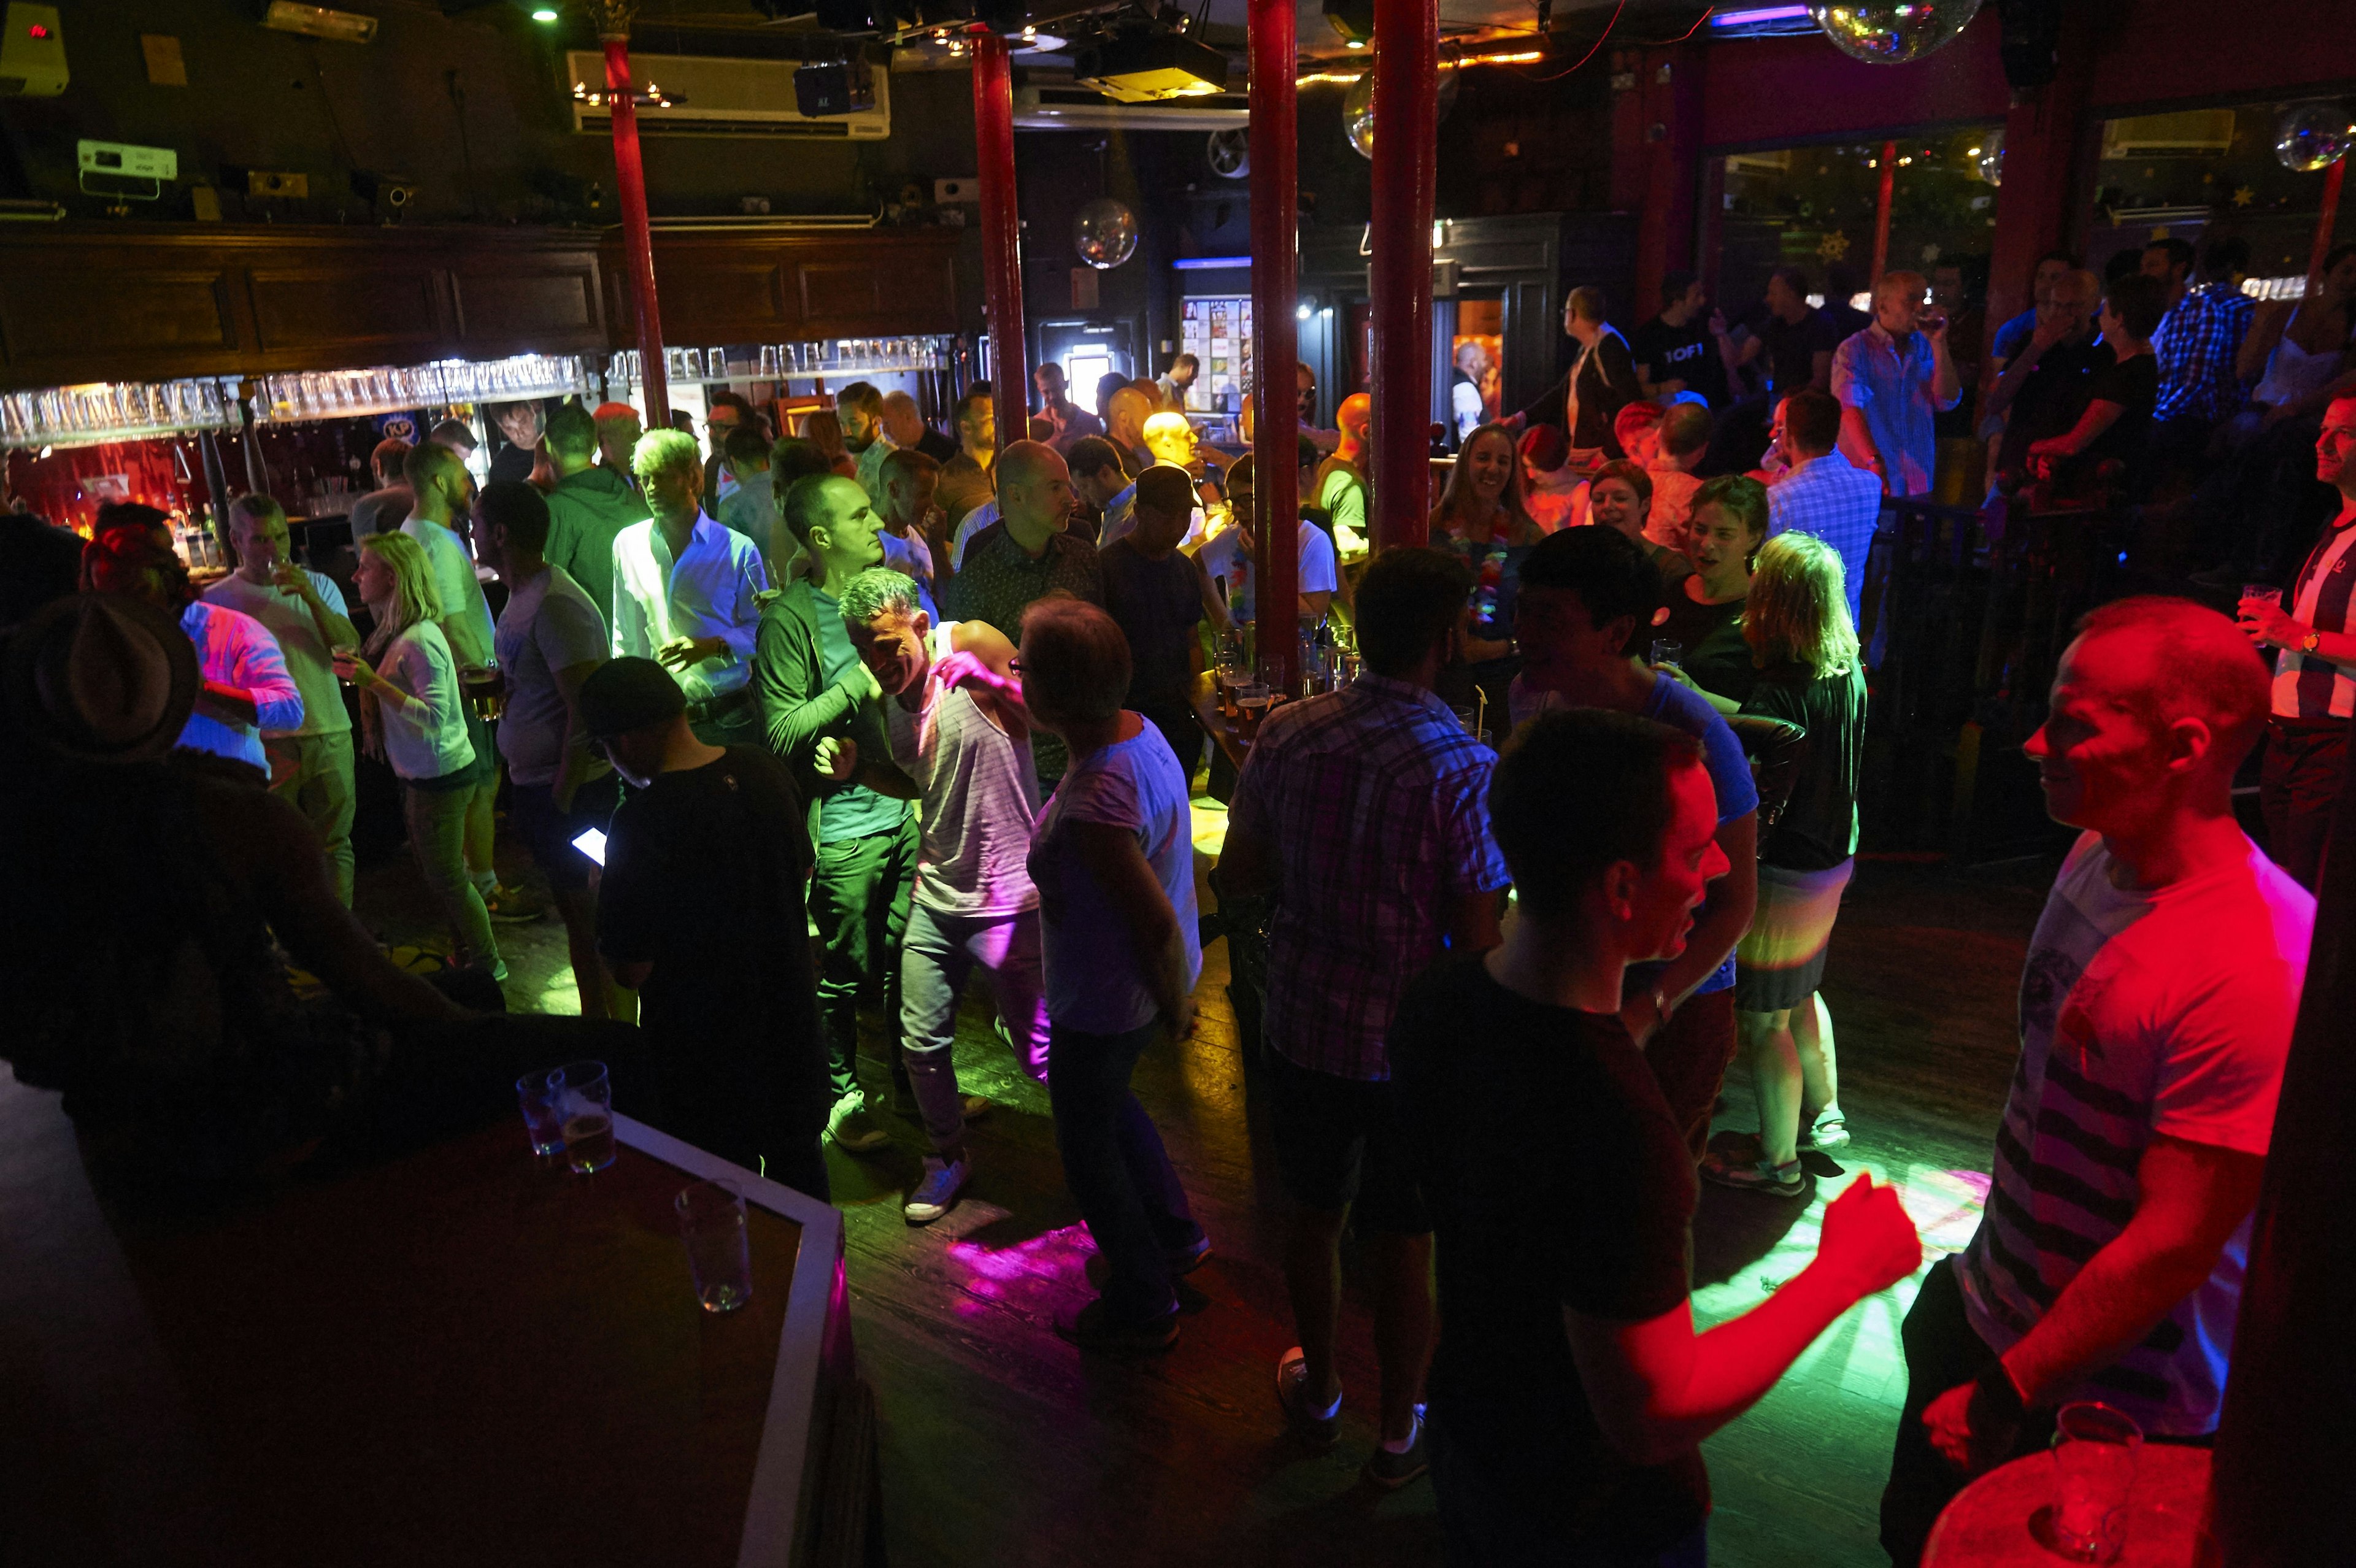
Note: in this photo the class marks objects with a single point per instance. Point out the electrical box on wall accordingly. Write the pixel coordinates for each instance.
(33, 53)
(946, 192)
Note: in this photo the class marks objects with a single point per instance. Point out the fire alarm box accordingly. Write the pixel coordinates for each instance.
(33, 53)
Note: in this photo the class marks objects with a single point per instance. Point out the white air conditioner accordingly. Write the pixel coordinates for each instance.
(714, 96)
(2190, 134)
(1053, 106)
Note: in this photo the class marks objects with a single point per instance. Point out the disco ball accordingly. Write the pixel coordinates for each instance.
(2312, 135)
(1892, 32)
(1358, 108)
(1105, 232)
(1990, 163)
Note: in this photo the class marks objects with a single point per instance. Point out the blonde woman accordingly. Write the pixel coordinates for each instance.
(1482, 520)
(1809, 674)
(413, 716)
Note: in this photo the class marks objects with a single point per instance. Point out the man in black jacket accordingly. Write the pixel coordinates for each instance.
(1600, 382)
(819, 712)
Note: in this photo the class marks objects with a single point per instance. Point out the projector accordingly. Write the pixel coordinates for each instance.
(1138, 68)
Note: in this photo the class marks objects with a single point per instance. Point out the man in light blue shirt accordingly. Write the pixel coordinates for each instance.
(1891, 379)
(1823, 493)
(684, 593)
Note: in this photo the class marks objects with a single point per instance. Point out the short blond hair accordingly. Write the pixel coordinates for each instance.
(662, 450)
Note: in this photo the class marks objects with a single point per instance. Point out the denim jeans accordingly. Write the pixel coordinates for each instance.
(937, 953)
(314, 773)
(437, 836)
(1116, 1168)
(859, 901)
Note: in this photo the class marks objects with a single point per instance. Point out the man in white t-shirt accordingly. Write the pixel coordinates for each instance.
(444, 493)
(2156, 1013)
(311, 765)
(1228, 558)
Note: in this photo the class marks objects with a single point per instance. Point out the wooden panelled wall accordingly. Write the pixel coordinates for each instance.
(144, 303)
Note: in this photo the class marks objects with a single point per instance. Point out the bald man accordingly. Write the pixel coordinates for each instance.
(905, 427)
(1028, 553)
(1342, 478)
(1126, 413)
(2156, 1015)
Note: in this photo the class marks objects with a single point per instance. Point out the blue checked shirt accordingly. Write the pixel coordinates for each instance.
(1894, 386)
(1838, 502)
(1377, 804)
(2196, 345)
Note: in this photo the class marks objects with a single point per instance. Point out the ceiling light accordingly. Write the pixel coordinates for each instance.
(1301, 312)
(547, 14)
(1353, 43)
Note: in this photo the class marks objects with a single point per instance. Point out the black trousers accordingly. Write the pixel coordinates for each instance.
(1943, 1350)
(2298, 782)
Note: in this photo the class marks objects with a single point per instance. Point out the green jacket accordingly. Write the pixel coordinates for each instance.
(584, 512)
(797, 706)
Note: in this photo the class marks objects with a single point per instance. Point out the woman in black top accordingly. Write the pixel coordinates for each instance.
(1704, 615)
(1809, 675)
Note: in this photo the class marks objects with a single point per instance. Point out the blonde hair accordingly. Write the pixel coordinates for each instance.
(660, 450)
(414, 597)
(1798, 613)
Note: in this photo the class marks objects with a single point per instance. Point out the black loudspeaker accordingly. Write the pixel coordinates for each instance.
(846, 87)
(2031, 42)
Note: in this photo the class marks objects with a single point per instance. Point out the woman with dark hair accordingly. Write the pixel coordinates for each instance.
(1704, 616)
(1112, 857)
(1619, 497)
(822, 428)
(1482, 520)
(1809, 675)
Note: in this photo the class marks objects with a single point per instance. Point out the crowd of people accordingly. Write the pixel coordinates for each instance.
(789, 725)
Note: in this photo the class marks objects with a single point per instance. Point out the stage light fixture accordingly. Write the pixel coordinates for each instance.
(1353, 20)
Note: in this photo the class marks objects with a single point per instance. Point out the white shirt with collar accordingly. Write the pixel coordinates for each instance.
(706, 592)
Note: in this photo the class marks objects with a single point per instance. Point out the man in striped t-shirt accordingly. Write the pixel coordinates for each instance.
(2314, 697)
(2156, 1011)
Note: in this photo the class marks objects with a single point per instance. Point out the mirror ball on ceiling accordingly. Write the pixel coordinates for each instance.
(1105, 233)
(1358, 108)
(1892, 32)
(2312, 135)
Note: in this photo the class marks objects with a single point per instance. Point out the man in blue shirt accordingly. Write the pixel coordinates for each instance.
(2199, 345)
(1891, 378)
(1823, 493)
(1586, 595)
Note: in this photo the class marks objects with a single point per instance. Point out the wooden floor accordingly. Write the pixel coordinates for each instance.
(1002, 1444)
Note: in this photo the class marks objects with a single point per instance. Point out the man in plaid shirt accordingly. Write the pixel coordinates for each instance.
(1822, 492)
(2199, 341)
(1365, 814)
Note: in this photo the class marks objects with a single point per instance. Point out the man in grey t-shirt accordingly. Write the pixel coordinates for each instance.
(550, 639)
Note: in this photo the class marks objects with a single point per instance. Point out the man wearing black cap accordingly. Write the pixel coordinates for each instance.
(701, 911)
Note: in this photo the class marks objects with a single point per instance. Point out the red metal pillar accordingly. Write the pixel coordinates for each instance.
(2327, 221)
(1276, 337)
(630, 186)
(1881, 212)
(1002, 233)
(2045, 145)
(1407, 87)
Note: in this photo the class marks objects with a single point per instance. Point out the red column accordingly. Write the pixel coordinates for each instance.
(2327, 221)
(1407, 85)
(1276, 339)
(1881, 212)
(2044, 137)
(637, 244)
(1002, 232)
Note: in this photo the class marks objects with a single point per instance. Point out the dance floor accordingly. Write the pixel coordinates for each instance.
(1003, 1445)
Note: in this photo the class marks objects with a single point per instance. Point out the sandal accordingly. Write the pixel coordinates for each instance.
(1789, 1180)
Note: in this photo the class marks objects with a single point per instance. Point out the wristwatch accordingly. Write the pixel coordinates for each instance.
(2309, 643)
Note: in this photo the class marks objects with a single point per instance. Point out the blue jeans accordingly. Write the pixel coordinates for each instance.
(1118, 1170)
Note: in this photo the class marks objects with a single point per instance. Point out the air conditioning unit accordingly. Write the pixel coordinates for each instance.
(714, 96)
(2192, 133)
(1053, 106)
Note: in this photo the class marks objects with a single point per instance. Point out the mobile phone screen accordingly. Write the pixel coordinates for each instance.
(592, 843)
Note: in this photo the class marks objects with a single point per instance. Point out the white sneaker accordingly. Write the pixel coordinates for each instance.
(936, 1194)
(1830, 1130)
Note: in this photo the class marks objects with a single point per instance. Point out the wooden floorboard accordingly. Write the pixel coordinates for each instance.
(1000, 1443)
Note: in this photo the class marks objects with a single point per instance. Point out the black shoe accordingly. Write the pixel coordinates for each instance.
(1091, 1329)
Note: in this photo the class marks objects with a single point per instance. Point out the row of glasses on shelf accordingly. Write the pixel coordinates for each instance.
(327, 394)
(102, 408)
(779, 361)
